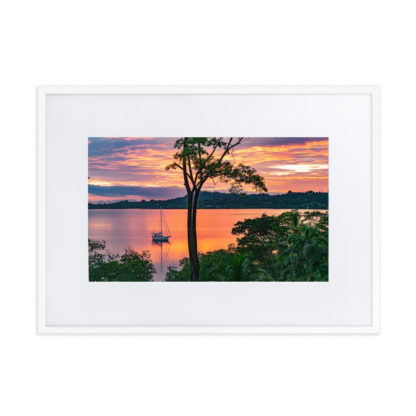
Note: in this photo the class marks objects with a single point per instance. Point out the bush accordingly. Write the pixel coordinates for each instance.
(291, 247)
(131, 266)
(220, 266)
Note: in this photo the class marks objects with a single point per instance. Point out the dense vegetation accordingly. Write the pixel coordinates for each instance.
(221, 265)
(289, 247)
(218, 200)
(131, 266)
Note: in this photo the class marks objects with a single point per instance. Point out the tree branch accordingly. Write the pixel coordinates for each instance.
(191, 176)
(185, 173)
(227, 149)
(198, 173)
(231, 146)
(213, 150)
(181, 168)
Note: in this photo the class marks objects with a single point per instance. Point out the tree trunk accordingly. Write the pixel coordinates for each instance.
(194, 235)
(192, 243)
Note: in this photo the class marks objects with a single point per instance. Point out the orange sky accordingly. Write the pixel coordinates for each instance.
(134, 167)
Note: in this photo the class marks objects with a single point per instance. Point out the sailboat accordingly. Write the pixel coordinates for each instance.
(160, 236)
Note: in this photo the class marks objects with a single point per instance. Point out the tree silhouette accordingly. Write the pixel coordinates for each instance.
(203, 158)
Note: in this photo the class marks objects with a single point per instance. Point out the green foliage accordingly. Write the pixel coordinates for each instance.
(261, 237)
(131, 266)
(220, 266)
(305, 257)
(236, 267)
(292, 246)
(95, 255)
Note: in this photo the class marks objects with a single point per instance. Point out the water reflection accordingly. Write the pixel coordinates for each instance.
(163, 259)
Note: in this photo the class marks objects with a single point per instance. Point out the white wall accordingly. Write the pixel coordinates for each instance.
(214, 42)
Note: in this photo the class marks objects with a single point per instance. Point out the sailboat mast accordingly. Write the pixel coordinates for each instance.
(161, 230)
(161, 257)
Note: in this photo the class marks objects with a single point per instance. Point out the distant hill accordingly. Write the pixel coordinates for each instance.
(219, 200)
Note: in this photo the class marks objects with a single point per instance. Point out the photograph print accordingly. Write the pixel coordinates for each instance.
(224, 209)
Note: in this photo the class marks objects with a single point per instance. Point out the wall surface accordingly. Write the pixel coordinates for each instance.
(214, 42)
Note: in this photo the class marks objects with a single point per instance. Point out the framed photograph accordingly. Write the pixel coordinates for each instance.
(208, 210)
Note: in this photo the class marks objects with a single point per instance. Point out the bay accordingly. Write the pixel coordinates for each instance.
(122, 228)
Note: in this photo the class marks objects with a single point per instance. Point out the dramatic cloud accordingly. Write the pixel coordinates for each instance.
(99, 147)
(134, 167)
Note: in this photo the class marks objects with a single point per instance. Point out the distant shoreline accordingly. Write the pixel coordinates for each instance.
(217, 200)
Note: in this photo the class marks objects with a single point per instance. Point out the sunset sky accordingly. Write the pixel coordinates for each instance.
(133, 168)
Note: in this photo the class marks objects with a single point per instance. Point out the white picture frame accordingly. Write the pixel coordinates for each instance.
(57, 110)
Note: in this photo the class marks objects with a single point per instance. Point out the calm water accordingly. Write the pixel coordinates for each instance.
(121, 228)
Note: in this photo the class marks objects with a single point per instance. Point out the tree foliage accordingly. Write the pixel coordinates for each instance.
(294, 246)
(305, 256)
(221, 266)
(203, 158)
(131, 266)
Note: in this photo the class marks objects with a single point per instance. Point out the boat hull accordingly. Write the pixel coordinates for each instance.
(158, 237)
